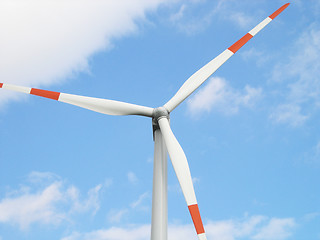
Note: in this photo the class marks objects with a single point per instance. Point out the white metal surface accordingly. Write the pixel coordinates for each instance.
(181, 168)
(197, 79)
(159, 222)
(260, 26)
(179, 161)
(16, 88)
(105, 106)
(202, 236)
(206, 71)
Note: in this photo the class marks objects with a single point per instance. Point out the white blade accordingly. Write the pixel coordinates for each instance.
(105, 106)
(206, 71)
(181, 167)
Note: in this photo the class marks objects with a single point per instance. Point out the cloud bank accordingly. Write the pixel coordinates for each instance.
(251, 227)
(219, 95)
(45, 41)
(48, 200)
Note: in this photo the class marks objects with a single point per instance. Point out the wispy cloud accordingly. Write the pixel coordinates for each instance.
(219, 95)
(288, 114)
(258, 57)
(179, 14)
(276, 229)
(312, 156)
(141, 198)
(39, 47)
(116, 216)
(191, 21)
(46, 200)
(300, 73)
(311, 216)
(241, 19)
(132, 178)
(254, 227)
(92, 203)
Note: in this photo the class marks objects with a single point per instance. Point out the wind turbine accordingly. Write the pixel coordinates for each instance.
(164, 139)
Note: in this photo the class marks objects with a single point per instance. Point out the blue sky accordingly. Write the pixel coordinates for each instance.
(250, 132)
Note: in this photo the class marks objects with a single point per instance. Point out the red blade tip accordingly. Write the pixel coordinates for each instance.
(45, 93)
(276, 13)
(196, 218)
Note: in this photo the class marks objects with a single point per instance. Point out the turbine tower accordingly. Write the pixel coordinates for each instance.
(164, 139)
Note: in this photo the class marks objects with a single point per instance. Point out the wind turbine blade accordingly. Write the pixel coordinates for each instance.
(206, 71)
(181, 167)
(100, 105)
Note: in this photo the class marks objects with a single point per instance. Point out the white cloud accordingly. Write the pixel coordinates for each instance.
(290, 114)
(318, 148)
(254, 227)
(131, 233)
(186, 20)
(311, 216)
(300, 73)
(33, 207)
(178, 15)
(132, 178)
(189, 20)
(277, 229)
(138, 202)
(239, 13)
(92, 202)
(176, 232)
(243, 20)
(312, 156)
(47, 200)
(258, 57)
(45, 41)
(317, 152)
(42, 177)
(195, 180)
(116, 216)
(303, 64)
(217, 94)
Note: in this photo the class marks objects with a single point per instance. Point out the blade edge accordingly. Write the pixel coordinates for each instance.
(198, 78)
(105, 106)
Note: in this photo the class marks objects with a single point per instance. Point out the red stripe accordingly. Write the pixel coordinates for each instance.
(276, 13)
(242, 41)
(45, 93)
(1, 84)
(196, 218)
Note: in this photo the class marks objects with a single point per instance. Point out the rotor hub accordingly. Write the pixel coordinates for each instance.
(160, 112)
